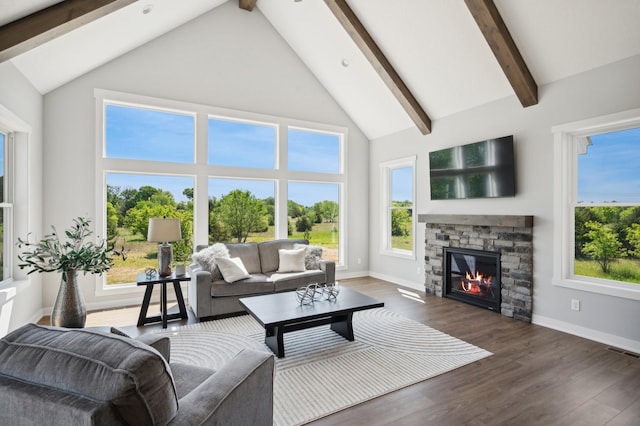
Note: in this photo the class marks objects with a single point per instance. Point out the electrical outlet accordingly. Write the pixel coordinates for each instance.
(575, 304)
(359, 260)
(419, 270)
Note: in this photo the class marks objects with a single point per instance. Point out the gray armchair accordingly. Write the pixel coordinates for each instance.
(59, 376)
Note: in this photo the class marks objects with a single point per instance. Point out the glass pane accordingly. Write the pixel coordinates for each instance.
(607, 242)
(241, 144)
(314, 152)
(145, 134)
(608, 172)
(314, 214)
(241, 210)
(131, 200)
(401, 208)
(3, 249)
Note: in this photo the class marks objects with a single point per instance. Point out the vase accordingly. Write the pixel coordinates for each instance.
(69, 310)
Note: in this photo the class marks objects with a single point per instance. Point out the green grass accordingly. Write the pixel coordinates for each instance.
(402, 243)
(626, 270)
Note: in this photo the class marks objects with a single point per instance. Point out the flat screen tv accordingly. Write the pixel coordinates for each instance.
(483, 169)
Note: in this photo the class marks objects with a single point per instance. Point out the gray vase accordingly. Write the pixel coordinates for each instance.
(69, 310)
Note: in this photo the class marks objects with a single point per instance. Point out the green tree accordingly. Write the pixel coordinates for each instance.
(633, 236)
(304, 224)
(112, 222)
(401, 222)
(603, 245)
(240, 212)
(138, 217)
(327, 210)
(294, 209)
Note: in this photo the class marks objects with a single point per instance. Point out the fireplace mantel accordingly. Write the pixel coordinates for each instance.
(478, 220)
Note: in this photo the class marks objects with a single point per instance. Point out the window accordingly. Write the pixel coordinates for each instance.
(6, 209)
(227, 175)
(142, 133)
(598, 205)
(241, 144)
(398, 183)
(314, 151)
(314, 215)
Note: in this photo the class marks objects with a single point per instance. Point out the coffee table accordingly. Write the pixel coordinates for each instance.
(281, 313)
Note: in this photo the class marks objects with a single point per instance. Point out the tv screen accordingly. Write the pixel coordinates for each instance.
(478, 170)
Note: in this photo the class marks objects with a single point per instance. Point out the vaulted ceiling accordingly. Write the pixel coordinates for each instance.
(391, 65)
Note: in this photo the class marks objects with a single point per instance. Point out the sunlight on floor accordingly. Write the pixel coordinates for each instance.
(410, 295)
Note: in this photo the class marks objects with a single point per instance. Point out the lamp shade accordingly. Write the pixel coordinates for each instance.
(164, 230)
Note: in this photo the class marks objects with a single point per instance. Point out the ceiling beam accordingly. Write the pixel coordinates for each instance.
(383, 67)
(504, 49)
(247, 4)
(40, 27)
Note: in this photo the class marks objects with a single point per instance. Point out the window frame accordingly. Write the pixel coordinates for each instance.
(386, 170)
(569, 140)
(201, 171)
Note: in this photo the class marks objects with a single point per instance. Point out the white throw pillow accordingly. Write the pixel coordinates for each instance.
(291, 260)
(232, 269)
(207, 259)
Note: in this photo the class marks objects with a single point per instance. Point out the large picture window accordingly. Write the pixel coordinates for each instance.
(6, 209)
(598, 207)
(232, 182)
(398, 183)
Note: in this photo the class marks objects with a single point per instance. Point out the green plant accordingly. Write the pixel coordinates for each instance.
(51, 254)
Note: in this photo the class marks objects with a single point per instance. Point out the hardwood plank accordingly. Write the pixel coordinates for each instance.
(536, 375)
(352, 25)
(40, 27)
(504, 49)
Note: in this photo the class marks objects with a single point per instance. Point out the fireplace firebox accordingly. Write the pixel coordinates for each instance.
(472, 276)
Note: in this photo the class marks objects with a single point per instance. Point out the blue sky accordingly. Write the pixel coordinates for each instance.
(610, 169)
(402, 184)
(144, 134)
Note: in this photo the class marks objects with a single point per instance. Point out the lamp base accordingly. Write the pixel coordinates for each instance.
(165, 256)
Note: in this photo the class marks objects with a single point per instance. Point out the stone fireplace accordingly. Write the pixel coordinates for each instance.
(508, 239)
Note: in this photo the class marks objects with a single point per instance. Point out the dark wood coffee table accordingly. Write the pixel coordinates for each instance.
(281, 313)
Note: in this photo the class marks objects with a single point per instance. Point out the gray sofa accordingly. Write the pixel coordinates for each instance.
(211, 296)
(56, 376)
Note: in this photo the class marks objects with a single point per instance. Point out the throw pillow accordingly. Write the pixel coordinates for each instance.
(206, 258)
(232, 269)
(312, 257)
(291, 260)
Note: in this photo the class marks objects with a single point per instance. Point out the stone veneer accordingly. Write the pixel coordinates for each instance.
(512, 236)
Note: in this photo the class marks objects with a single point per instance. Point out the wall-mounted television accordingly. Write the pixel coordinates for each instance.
(483, 169)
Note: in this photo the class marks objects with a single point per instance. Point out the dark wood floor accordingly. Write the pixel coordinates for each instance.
(537, 376)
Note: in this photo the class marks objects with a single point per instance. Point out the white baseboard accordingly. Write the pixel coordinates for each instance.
(340, 275)
(405, 283)
(587, 333)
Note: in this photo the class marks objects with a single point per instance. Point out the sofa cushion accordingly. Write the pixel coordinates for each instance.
(255, 284)
(232, 269)
(248, 252)
(313, 255)
(291, 260)
(293, 280)
(269, 256)
(206, 258)
(133, 378)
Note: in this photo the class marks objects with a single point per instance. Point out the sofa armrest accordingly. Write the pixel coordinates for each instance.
(329, 268)
(240, 393)
(199, 291)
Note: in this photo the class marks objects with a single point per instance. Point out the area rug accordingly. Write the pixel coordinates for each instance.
(322, 372)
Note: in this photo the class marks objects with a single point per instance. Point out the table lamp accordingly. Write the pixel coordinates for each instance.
(164, 231)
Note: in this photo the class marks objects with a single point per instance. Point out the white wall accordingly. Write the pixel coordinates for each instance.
(21, 299)
(227, 58)
(606, 90)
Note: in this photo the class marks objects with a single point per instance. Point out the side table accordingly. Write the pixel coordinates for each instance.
(150, 282)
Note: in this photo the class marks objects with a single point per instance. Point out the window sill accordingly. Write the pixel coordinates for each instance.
(403, 254)
(622, 290)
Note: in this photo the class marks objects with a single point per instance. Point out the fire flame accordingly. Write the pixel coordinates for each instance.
(476, 283)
